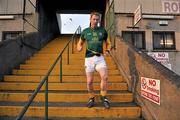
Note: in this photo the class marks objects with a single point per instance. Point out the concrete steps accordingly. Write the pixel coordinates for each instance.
(57, 72)
(59, 86)
(67, 100)
(56, 96)
(71, 62)
(114, 112)
(26, 78)
(64, 66)
(72, 118)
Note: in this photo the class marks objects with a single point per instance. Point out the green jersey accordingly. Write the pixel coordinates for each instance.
(94, 40)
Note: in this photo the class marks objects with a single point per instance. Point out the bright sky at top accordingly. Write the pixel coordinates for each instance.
(70, 22)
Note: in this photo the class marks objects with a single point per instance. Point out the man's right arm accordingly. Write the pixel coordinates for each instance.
(80, 45)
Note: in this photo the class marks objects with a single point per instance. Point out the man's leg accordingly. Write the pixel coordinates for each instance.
(101, 68)
(90, 88)
(89, 67)
(104, 85)
(104, 81)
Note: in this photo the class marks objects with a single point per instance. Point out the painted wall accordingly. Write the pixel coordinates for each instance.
(129, 6)
(16, 51)
(134, 65)
(124, 19)
(15, 8)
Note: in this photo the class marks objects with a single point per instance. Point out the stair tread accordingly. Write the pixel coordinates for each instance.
(59, 82)
(63, 83)
(114, 96)
(65, 91)
(74, 111)
(25, 78)
(59, 86)
(62, 118)
(69, 104)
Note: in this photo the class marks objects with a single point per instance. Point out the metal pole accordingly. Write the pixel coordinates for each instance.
(23, 17)
(72, 46)
(24, 9)
(46, 99)
(68, 55)
(114, 38)
(60, 69)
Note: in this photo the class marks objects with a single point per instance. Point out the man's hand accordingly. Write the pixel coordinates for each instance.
(80, 45)
(107, 53)
(79, 48)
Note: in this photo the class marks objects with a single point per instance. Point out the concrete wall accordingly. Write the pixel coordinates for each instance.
(11, 25)
(134, 65)
(129, 6)
(11, 6)
(15, 8)
(122, 21)
(47, 24)
(17, 24)
(15, 52)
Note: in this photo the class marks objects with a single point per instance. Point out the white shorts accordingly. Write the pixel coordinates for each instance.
(94, 63)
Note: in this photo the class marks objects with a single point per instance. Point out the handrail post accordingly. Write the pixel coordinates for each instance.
(46, 99)
(72, 46)
(68, 55)
(24, 9)
(60, 63)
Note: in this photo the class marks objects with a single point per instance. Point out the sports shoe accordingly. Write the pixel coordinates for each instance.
(105, 102)
(91, 102)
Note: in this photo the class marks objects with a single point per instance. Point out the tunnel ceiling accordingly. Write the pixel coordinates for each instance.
(73, 6)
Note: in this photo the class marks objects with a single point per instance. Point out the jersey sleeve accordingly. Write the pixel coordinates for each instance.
(82, 36)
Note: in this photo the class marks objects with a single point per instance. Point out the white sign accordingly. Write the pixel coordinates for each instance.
(170, 6)
(161, 57)
(150, 89)
(137, 15)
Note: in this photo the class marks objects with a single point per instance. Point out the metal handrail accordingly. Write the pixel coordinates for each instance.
(24, 13)
(110, 27)
(45, 80)
(109, 8)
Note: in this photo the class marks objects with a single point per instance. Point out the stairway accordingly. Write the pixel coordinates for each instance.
(67, 100)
